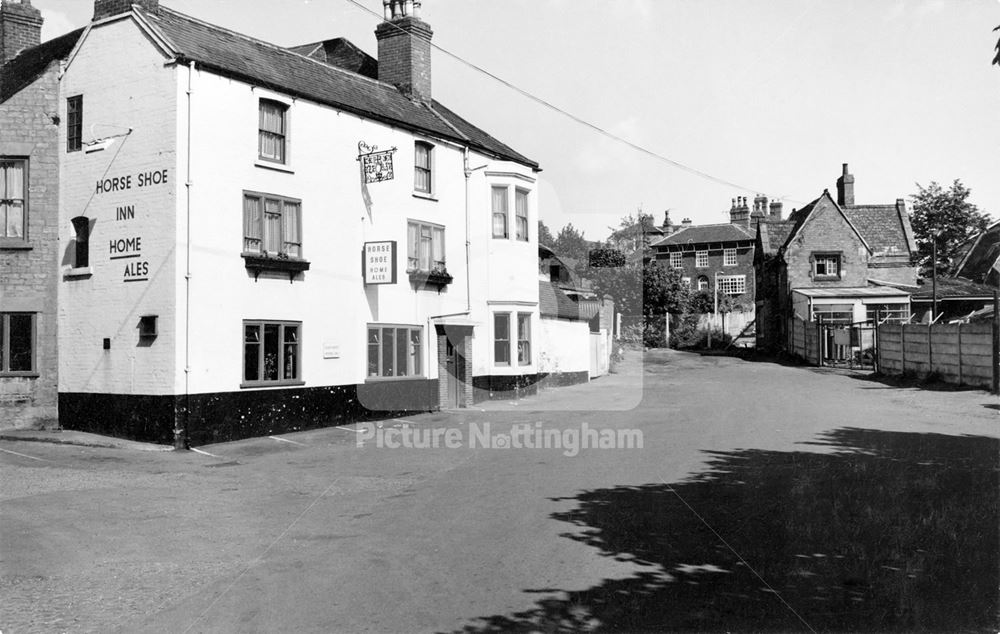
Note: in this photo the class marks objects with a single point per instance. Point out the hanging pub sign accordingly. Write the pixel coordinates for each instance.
(380, 262)
(376, 165)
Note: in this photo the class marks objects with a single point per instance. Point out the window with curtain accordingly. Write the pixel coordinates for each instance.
(13, 199)
(524, 338)
(521, 212)
(272, 225)
(273, 131)
(500, 212)
(423, 164)
(425, 247)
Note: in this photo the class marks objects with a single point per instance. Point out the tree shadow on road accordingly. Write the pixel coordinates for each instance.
(887, 532)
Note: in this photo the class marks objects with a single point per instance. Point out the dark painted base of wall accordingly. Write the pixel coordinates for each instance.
(502, 388)
(226, 416)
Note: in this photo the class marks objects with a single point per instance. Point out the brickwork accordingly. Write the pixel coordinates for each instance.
(404, 56)
(20, 28)
(28, 272)
(826, 231)
(716, 265)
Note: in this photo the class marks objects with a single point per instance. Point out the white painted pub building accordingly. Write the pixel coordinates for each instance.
(260, 239)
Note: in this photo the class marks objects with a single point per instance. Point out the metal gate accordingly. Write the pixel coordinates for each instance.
(849, 345)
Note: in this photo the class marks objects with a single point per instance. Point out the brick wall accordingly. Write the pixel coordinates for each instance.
(20, 28)
(404, 56)
(28, 275)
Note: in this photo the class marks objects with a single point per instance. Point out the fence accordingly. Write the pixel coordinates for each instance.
(804, 340)
(956, 353)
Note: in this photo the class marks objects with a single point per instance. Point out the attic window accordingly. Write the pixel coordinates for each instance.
(826, 265)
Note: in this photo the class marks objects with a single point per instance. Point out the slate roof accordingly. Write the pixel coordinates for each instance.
(704, 234)
(30, 64)
(553, 302)
(883, 227)
(342, 53)
(289, 72)
(773, 234)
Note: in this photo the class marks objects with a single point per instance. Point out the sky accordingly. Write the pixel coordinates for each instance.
(770, 96)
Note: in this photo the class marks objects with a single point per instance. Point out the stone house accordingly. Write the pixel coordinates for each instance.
(29, 220)
(835, 261)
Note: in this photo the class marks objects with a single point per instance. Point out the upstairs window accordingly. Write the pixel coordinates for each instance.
(500, 212)
(272, 225)
(521, 212)
(425, 248)
(74, 123)
(826, 265)
(423, 167)
(729, 257)
(13, 200)
(272, 139)
(676, 260)
(701, 259)
(17, 344)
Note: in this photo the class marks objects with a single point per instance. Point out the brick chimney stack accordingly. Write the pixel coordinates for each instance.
(404, 49)
(686, 222)
(738, 212)
(845, 189)
(20, 28)
(668, 225)
(776, 211)
(107, 8)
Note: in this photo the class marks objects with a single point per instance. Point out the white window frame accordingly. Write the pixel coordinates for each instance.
(282, 136)
(524, 339)
(497, 341)
(701, 259)
(419, 169)
(729, 257)
(732, 284)
(8, 200)
(676, 260)
(413, 351)
(283, 239)
(522, 194)
(827, 258)
(704, 284)
(262, 325)
(413, 255)
(505, 212)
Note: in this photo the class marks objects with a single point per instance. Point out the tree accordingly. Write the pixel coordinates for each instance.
(946, 217)
(632, 234)
(571, 244)
(544, 235)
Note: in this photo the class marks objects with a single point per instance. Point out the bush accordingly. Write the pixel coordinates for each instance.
(654, 332)
(687, 336)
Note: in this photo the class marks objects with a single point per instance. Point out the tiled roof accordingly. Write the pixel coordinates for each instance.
(704, 234)
(881, 226)
(773, 234)
(553, 302)
(26, 67)
(283, 70)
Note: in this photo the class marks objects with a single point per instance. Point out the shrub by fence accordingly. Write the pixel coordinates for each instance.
(956, 353)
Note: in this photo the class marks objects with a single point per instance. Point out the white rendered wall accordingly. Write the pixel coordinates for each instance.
(124, 84)
(563, 346)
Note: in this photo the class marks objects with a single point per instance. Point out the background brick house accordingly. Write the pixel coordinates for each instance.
(29, 198)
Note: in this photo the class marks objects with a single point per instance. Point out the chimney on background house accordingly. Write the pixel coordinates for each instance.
(404, 49)
(668, 225)
(107, 8)
(20, 28)
(759, 211)
(845, 189)
(738, 213)
(776, 209)
(686, 222)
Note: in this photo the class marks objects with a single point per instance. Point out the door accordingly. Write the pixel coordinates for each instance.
(453, 367)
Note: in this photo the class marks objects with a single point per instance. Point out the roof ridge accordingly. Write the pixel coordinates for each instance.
(276, 47)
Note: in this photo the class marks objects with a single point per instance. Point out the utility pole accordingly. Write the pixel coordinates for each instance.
(934, 277)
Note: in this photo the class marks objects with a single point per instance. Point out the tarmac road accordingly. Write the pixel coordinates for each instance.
(763, 498)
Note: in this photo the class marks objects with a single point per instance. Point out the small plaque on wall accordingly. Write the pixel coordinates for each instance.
(331, 350)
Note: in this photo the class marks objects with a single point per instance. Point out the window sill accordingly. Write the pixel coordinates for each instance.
(277, 167)
(268, 384)
(826, 278)
(430, 278)
(258, 263)
(79, 273)
(19, 375)
(393, 379)
(6, 244)
(425, 196)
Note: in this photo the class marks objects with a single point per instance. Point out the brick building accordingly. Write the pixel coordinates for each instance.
(833, 260)
(29, 222)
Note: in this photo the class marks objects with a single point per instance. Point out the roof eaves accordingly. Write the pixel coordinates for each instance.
(162, 42)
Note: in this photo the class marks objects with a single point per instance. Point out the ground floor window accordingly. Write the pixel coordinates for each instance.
(271, 352)
(834, 313)
(733, 284)
(395, 351)
(501, 338)
(17, 343)
(895, 313)
(524, 338)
